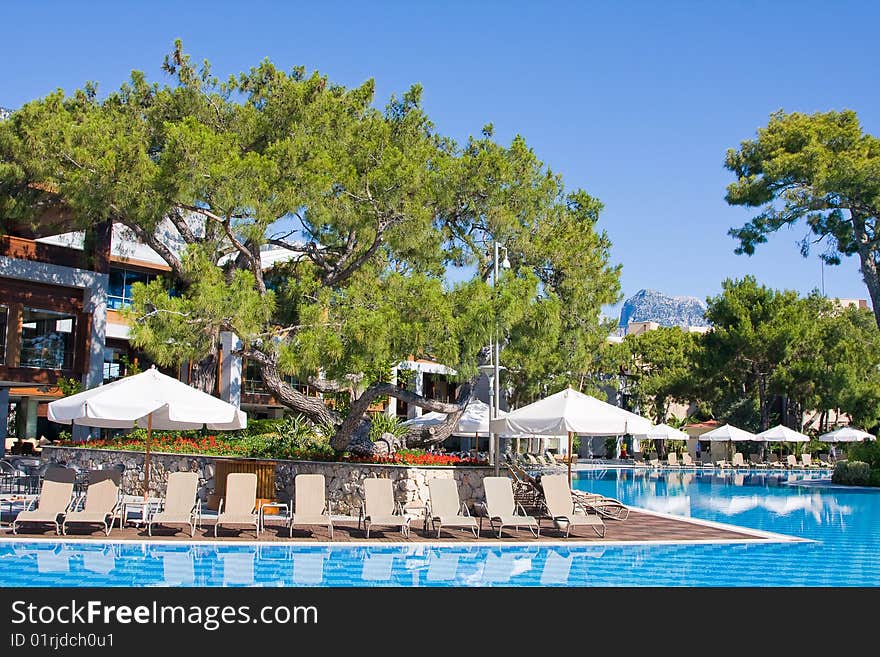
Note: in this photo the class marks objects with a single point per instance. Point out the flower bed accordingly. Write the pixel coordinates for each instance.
(260, 447)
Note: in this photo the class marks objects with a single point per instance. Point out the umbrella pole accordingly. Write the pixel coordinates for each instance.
(147, 457)
(569, 458)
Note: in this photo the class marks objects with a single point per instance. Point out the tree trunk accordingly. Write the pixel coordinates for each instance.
(356, 415)
(660, 446)
(313, 408)
(868, 258)
(440, 432)
(204, 372)
(763, 402)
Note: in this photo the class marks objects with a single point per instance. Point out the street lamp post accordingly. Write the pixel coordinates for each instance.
(494, 439)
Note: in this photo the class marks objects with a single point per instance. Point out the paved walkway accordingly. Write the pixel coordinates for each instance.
(639, 527)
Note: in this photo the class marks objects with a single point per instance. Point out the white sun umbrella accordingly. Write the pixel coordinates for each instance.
(845, 435)
(665, 432)
(149, 400)
(571, 412)
(431, 419)
(473, 422)
(781, 433)
(728, 433)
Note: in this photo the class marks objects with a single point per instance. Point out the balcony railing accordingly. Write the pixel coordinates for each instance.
(47, 359)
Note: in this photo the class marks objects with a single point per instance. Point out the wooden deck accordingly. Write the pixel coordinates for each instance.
(638, 527)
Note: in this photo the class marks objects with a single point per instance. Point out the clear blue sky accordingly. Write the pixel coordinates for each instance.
(636, 102)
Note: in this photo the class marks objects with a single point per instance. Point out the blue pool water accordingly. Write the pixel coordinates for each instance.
(843, 525)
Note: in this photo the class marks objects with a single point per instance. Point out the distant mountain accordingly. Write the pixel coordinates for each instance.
(654, 306)
(4, 113)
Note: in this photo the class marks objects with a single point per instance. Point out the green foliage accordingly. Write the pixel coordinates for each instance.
(375, 207)
(658, 366)
(855, 473)
(381, 423)
(767, 343)
(611, 447)
(867, 451)
(297, 432)
(820, 168)
(69, 386)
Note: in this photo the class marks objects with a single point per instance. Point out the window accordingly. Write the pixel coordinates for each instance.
(4, 314)
(112, 364)
(253, 381)
(121, 280)
(47, 339)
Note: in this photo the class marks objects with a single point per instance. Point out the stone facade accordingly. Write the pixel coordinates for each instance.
(343, 479)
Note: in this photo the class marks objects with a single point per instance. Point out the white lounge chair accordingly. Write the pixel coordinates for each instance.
(503, 510)
(181, 505)
(102, 502)
(240, 502)
(310, 503)
(380, 508)
(446, 510)
(54, 501)
(563, 509)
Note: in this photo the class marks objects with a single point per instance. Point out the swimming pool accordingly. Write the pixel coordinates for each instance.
(844, 527)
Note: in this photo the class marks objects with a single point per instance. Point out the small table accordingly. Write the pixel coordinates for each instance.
(136, 503)
(11, 501)
(272, 505)
(417, 510)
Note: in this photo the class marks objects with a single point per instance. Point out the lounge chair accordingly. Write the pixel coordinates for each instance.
(654, 463)
(532, 460)
(240, 502)
(775, 462)
(756, 461)
(607, 507)
(501, 507)
(56, 496)
(807, 461)
(739, 461)
(562, 507)
(181, 505)
(102, 502)
(446, 510)
(706, 462)
(687, 461)
(310, 503)
(791, 462)
(672, 460)
(380, 508)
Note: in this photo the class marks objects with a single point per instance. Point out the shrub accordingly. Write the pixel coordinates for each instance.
(382, 423)
(867, 451)
(853, 473)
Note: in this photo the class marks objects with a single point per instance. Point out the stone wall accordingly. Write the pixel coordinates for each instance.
(343, 479)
